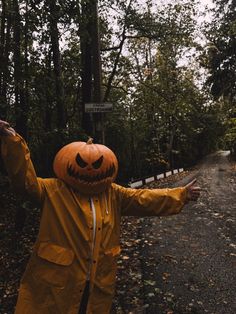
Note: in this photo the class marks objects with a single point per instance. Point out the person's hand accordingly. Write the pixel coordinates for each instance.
(5, 129)
(193, 192)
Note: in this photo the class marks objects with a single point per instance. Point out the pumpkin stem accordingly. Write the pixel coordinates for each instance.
(90, 141)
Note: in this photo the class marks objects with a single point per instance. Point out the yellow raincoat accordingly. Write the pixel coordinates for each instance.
(79, 236)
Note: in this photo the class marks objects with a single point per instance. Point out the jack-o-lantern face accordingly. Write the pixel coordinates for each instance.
(87, 167)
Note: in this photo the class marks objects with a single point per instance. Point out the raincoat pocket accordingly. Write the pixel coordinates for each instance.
(107, 268)
(52, 264)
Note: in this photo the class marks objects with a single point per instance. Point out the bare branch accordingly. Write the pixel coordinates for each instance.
(123, 37)
(121, 88)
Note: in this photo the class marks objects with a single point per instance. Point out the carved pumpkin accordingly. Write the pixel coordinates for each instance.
(87, 167)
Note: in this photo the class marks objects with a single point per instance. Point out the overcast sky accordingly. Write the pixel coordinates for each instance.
(203, 4)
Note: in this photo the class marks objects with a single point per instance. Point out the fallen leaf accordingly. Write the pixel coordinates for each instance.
(165, 276)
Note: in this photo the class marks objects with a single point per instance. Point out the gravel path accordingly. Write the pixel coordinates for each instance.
(188, 264)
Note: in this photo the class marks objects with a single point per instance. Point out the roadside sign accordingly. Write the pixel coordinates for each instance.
(98, 107)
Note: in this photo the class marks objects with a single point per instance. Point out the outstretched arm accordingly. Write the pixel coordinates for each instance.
(16, 157)
(156, 202)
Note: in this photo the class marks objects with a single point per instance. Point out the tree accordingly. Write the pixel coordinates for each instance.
(222, 51)
(6, 24)
(220, 61)
(157, 47)
(86, 63)
(57, 69)
(54, 11)
(20, 100)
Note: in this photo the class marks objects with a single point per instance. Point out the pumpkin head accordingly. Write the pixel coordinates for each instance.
(87, 167)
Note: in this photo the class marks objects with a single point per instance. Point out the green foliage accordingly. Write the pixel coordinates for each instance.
(161, 118)
(230, 136)
(220, 60)
(222, 50)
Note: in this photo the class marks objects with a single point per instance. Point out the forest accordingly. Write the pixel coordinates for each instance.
(168, 69)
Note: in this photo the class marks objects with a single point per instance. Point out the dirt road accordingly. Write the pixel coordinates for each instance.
(189, 262)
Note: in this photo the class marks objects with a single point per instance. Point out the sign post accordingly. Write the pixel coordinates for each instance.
(98, 107)
(98, 110)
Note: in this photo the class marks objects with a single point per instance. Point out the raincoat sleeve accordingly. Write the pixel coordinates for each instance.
(16, 157)
(148, 202)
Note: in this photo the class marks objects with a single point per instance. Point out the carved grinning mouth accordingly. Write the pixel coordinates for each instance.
(90, 179)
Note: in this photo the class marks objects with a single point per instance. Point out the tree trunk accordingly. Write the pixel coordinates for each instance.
(20, 105)
(54, 33)
(97, 73)
(6, 71)
(4, 55)
(2, 40)
(48, 110)
(86, 64)
(26, 61)
(172, 130)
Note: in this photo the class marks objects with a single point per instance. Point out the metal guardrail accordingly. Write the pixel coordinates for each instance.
(141, 182)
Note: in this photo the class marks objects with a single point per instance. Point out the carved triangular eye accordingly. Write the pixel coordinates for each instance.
(97, 164)
(80, 161)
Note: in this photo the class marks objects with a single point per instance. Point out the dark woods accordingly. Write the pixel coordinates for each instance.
(56, 56)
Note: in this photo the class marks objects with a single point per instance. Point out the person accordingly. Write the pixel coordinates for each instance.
(73, 265)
